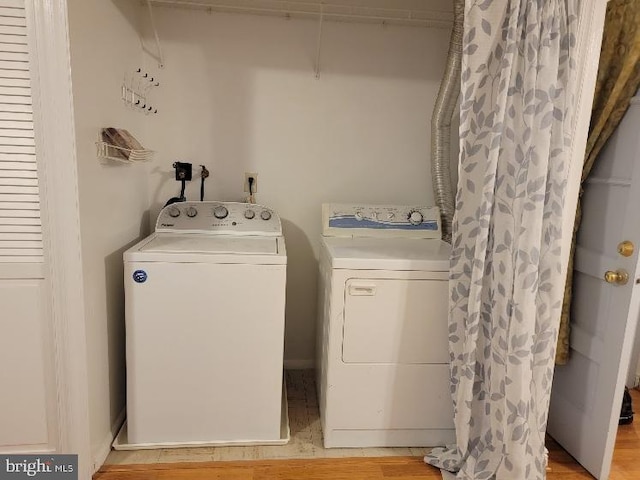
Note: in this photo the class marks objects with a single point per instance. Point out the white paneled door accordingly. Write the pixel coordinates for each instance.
(587, 393)
(26, 397)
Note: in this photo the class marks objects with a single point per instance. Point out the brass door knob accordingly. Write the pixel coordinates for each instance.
(618, 277)
(625, 248)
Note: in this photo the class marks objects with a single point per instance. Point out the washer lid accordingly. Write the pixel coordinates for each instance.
(185, 243)
(202, 248)
(388, 254)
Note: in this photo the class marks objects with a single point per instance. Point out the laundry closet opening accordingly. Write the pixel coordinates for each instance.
(330, 106)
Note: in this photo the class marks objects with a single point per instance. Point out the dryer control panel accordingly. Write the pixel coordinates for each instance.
(219, 218)
(360, 220)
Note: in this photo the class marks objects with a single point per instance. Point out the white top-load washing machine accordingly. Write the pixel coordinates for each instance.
(383, 360)
(205, 298)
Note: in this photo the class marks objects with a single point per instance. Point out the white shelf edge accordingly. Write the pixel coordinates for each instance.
(329, 11)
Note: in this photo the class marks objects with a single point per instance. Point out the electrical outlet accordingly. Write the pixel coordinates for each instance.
(255, 182)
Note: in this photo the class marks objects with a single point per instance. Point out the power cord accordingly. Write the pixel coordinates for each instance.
(204, 173)
(183, 175)
(184, 184)
(251, 180)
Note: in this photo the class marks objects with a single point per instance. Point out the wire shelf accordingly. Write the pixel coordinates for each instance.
(106, 151)
(335, 11)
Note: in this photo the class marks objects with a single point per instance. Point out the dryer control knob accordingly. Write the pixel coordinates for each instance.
(174, 212)
(191, 212)
(265, 215)
(415, 218)
(220, 212)
(249, 214)
(359, 216)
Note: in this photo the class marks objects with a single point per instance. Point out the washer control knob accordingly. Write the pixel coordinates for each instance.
(374, 216)
(191, 212)
(265, 215)
(359, 216)
(174, 212)
(390, 216)
(220, 212)
(249, 214)
(415, 217)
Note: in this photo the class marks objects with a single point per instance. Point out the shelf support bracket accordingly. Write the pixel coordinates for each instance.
(319, 48)
(160, 57)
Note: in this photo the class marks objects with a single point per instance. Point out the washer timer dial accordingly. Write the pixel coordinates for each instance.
(220, 212)
(415, 217)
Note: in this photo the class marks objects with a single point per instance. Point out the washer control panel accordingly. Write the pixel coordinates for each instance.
(360, 220)
(219, 218)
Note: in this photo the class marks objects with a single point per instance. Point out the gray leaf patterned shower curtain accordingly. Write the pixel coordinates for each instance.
(518, 82)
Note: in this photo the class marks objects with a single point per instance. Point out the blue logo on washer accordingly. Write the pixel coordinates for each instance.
(140, 276)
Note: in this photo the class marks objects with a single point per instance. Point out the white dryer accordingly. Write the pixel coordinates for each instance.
(205, 298)
(383, 360)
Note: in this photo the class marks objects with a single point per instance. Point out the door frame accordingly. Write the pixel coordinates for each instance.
(48, 31)
(58, 180)
(589, 42)
(634, 364)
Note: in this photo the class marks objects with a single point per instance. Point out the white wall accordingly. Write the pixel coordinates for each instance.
(238, 94)
(113, 198)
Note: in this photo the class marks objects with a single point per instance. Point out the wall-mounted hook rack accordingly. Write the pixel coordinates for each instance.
(135, 90)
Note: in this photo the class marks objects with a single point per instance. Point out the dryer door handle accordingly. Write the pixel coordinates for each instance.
(356, 290)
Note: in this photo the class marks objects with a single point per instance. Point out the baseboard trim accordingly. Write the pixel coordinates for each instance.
(105, 447)
(299, 364)
(39, 449)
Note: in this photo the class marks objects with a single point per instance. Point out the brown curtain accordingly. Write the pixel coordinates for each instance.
(618, 81)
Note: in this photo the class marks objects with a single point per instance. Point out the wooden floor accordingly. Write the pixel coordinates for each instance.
(306, 437)
(626, 466)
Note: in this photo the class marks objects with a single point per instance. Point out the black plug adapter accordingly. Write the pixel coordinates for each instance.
(184, 171)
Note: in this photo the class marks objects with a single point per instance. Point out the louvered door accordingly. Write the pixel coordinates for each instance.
(20, 228)
(25, 396)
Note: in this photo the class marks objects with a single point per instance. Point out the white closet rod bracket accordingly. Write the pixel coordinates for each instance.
(319, 48)
(160, 57)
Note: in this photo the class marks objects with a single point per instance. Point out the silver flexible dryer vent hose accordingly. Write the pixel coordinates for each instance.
(441, 124)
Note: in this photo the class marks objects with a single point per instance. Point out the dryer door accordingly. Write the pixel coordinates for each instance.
(396, 321)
